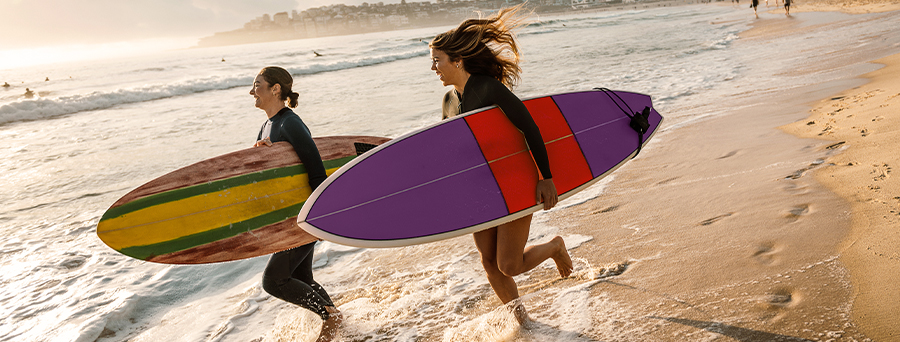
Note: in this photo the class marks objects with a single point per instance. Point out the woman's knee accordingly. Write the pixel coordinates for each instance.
(272, 286)
(509, 268)
(490, 265)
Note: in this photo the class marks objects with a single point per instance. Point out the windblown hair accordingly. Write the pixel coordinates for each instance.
(277, 75)
(487, 46)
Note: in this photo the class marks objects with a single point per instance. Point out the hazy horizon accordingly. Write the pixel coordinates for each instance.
(46, 31)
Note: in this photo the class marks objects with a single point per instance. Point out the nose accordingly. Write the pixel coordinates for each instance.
(434, 66)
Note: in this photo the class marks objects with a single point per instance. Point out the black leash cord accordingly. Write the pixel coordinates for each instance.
(639, 122)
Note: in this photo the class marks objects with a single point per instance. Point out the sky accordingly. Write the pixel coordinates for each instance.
(31, 29)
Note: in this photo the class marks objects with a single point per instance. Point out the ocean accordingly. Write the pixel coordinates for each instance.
(98, 129)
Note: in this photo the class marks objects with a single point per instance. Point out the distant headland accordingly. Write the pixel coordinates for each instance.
(339, 19)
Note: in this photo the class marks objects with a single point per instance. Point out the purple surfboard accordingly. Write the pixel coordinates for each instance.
(473, 171)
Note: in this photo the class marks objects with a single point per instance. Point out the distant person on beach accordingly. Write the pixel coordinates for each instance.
(754, 4)
(288, 274)
(480, 59)
(787, 8)
(28, 93)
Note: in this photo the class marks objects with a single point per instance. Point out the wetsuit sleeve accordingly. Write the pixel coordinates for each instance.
(516, 111)
(299, 137)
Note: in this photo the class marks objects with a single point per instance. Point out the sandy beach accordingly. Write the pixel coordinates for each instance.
(752, 249)
(862, 124)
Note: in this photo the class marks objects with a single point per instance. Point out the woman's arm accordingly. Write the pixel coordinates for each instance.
(298, 135)
(518, 114)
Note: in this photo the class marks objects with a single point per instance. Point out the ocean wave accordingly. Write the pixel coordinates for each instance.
(45, 108)
(356, 62)
(41, 108)
(149, 70)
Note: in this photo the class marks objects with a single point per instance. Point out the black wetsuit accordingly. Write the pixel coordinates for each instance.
(288, 274)
(482, 91)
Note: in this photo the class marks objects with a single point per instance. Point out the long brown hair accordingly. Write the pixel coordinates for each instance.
(487, 46)
(277, 75)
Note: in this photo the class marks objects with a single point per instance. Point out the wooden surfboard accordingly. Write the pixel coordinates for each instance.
(474, 171)
(238, 205)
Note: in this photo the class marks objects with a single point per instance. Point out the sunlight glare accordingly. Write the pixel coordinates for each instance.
(17, 58)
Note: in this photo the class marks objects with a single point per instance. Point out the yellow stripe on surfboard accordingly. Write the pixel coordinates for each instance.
(197, 214)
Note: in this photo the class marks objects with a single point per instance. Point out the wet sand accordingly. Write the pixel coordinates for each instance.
(734, 229)
(863, 124)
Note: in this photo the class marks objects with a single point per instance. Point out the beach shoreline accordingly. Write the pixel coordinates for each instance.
(859, 122)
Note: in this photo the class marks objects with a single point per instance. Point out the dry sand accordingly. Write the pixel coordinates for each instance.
(732, 229)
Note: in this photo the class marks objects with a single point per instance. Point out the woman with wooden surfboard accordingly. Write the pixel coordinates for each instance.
(288, 274)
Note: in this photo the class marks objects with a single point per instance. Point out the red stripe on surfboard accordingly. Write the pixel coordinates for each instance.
(504, 148)
(567, 163)
(273, 238)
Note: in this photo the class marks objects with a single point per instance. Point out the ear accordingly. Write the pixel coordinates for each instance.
(276, 89)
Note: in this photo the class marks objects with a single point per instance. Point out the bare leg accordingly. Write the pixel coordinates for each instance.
(504, 286)
(513, 258)
(330, 326)
(504, 255)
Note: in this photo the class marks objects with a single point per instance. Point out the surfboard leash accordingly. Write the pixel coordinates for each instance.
(639, 121)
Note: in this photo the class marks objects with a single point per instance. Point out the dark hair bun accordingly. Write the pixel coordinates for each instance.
(293, 96)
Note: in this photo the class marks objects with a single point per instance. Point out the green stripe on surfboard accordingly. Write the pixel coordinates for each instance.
(202, 238)
(200, 189)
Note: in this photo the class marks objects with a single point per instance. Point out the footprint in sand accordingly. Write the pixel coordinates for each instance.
(612, 270)
(606, 210)
(667, 181)
(835, 145)
(799, 173)
(767, 253)
(715, 219)
(881, 172)
(778, 301)
(730, 154)
(796, 213)
(795, 189)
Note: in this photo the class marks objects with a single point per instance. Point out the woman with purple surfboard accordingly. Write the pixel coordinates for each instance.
(479, 58)
(288, 275)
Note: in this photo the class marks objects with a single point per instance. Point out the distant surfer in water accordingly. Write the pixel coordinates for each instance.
(317, 54)
(288, 274)
(480, 59)
(28, 93)
(6, 85)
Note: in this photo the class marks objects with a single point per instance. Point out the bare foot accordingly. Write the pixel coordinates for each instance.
(330, 326)
(562, 259)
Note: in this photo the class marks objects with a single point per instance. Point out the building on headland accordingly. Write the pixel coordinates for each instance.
(340, 19)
